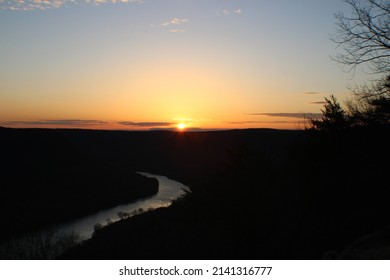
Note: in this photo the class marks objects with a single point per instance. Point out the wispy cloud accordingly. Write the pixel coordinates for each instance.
(148, 124)
(66, 122)
(287, 115)
(175, 21)
(311, 93)
(177, 30)
(27, 5)
(227, 12)
(238, 11)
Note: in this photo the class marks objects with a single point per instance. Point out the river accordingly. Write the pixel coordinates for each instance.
(169, 190)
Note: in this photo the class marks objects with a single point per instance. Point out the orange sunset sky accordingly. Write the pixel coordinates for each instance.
(152, 64)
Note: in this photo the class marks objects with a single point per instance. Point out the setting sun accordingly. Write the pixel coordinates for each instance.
(181, 126)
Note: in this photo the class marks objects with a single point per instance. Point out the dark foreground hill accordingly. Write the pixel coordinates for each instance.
(260, 194)
(46, 179)
(255, 194)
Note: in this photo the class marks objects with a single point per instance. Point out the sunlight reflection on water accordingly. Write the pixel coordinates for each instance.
(169, 190)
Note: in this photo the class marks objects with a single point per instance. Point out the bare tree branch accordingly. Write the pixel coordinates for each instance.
(364, 36)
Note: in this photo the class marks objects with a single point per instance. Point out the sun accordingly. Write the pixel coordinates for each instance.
(181, 126)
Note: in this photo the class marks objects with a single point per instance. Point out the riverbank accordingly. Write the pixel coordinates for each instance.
(168, 191)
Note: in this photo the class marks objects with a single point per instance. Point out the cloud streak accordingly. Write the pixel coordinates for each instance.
(28, 5)
(288, 115)
(66, 122)
(148, 124)
(318, 102)
(255, 122)
(177, 31)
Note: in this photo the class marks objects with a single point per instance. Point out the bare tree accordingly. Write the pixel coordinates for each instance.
(371, 103)
(364, 36)
(369, 107)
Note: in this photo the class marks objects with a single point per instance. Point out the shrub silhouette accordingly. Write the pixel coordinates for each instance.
(96, 228)
(334, 117)
(369, 107)
(123, 215)
(43, 245)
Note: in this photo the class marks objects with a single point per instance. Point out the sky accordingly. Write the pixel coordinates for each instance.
(152, 64)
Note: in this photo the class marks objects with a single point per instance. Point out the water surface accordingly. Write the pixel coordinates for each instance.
(169, 190)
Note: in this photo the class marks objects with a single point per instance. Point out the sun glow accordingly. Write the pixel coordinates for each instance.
(181, 126)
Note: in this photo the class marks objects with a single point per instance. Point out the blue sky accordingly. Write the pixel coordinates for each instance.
(208, 63)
